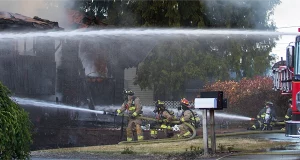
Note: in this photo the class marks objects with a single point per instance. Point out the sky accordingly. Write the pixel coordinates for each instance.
(286, 15)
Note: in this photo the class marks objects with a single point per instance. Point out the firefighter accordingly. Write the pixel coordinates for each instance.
(187, 116)
(134, 109)
(268, 109)
(164, 117)
(288, 115)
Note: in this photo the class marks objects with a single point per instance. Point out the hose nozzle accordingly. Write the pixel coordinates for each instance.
(252, 119)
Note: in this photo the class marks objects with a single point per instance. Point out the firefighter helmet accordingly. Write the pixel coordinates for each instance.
(184, 104)
(159, 106)
(290, 101)
(270, 104)
(128, 92)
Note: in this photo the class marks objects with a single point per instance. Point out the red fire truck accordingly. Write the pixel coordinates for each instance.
(286, 78)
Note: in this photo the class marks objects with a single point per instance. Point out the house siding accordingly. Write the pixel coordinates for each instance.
(146, 96)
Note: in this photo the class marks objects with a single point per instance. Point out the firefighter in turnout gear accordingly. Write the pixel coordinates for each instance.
(265, 117)
(288, 115)
(187, 116)
(134, 109)
(164, 118)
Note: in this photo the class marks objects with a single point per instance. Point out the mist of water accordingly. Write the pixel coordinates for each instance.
(39, 103)
(147, 32)
(233, 117)
(147, 110)
(219, 115)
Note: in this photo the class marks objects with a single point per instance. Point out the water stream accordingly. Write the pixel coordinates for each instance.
(147, 110)
(147, 32)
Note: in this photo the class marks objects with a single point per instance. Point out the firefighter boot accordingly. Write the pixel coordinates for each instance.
(153, 134)
(139, 132)
(252, 128)
(129, 134)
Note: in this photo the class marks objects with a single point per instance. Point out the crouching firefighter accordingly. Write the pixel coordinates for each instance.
(134, 109)
(265, 118)
(164, 118)
(188, 116)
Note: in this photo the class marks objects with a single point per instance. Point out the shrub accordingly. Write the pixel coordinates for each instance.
(15, 127)
(247, 97)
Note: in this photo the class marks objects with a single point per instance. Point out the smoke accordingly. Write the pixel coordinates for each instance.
(88, 51)
(252, 13)
(236, 3)
(99, 53)
(53, 10)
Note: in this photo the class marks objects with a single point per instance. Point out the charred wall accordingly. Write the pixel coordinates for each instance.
(27, 74)
(69, 80)
(108, 91)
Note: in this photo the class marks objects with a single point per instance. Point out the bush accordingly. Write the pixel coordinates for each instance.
(15, 127)
(247, 97)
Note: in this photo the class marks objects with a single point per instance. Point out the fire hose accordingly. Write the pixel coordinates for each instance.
(162, 140)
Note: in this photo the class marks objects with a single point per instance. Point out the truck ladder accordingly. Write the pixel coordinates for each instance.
(282, 79)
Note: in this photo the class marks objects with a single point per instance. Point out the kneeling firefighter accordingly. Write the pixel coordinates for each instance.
(134, 109)
(265, 118)
(187, 116)
(164, 117)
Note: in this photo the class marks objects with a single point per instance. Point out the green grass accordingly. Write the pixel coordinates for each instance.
(224, 144)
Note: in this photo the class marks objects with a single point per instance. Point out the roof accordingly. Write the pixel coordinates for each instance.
(17, 22)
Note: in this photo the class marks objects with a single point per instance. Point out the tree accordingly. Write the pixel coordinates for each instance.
(95, 8)
(216, 57)
(211, 58)
(15, 136)
(116, 13)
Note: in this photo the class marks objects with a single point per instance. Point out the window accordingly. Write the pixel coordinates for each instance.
(297, 60)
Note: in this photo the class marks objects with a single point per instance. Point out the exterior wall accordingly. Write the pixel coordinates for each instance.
(25, 74)
(25, 46)
(146, 96)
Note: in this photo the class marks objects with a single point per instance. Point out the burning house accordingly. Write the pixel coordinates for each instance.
(27, 66)
(76, 72)
(79, 72)
(41, 67)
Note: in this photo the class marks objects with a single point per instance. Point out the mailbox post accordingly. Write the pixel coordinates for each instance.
(210, 101)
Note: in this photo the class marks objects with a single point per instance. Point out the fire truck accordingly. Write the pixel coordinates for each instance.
(286, 78)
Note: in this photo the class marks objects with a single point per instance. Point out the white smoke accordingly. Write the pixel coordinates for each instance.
(260, 8)
(236, 3)
(53, 10)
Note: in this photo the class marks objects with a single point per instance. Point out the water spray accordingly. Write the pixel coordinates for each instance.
(38, 103)
(147, 32)
(109, 110)
(235, 117)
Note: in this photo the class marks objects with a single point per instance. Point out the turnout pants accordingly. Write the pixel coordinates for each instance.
(134, 123)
